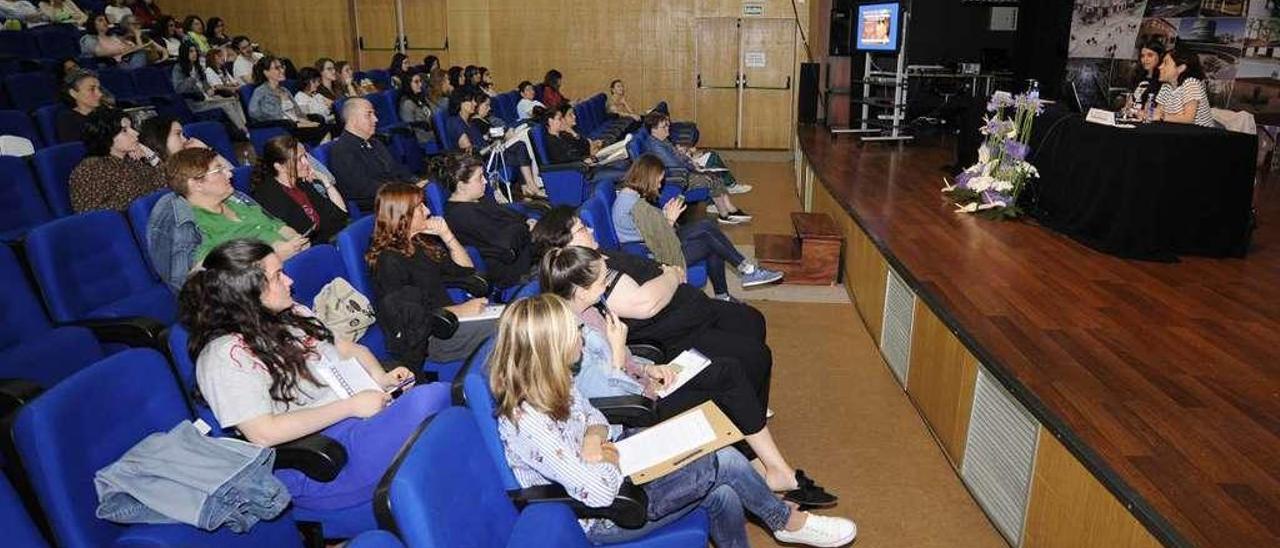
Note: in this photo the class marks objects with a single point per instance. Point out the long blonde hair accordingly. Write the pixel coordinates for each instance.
(538, 341)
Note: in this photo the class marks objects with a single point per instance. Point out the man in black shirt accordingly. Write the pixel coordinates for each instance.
(361, 163)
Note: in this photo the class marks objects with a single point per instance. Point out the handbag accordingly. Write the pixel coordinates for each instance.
(345, 311)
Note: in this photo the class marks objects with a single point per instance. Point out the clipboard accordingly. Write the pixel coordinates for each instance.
(725, 434)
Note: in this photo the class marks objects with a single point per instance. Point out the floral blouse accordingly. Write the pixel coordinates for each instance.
(542, 450)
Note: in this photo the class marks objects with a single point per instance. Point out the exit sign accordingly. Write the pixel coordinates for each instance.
(753, 8)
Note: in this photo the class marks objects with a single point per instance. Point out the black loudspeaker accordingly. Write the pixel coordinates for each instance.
(808, 107)
(841, 36)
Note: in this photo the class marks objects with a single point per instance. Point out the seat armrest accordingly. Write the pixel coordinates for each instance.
(630, 411)
(270, 123)
(15, 393)
(135, 331)
(651, 351)
(630, 508)
(317, 456)
(443, 323)
(566, 166)
(473, 284)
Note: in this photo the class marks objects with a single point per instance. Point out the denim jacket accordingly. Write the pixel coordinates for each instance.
(596, 376)
(266, 105)
(173, 237)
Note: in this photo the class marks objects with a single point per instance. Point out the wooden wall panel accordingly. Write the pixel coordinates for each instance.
(1070, 508)
(864, 268)
(940, 381)
(323, 29)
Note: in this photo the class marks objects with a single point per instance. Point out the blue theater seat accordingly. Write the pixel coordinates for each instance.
(30, 90)
(19, 529)
(213, 134)
(32, 348)
(18, 123)
(53, 169)
(21, 206)
(47, 122)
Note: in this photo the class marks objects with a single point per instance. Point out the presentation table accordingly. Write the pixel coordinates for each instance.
(1152, 192)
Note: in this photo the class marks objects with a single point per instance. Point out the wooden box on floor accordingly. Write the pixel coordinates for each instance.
(810, 257)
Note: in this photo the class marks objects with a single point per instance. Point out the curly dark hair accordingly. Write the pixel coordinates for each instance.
(451, 169)
(101, 128)
(554, 230)
(225, 298)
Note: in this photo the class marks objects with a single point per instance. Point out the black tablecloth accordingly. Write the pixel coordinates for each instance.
(1152, 192)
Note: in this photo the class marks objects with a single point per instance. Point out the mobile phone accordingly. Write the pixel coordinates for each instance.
(398, 389)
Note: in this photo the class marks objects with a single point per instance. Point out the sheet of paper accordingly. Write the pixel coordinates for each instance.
(680, 437)
(347, 377)
(490, 312)
(619, 145)
(689, 363)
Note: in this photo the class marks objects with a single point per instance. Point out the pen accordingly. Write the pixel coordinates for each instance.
(688, 456)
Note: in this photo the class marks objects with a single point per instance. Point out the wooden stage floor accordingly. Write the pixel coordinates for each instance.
(1164, 379)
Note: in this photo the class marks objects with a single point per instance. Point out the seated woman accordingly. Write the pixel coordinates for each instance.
(216, 74)
(287, 188)
(217, 34)
(329, 85)
(398, 69)
(438, 90)
(415, 107)
(165, 33)
(1183, 98)
(116, 169)
(657, 306)
(501, 234)
(524, 108)
(485, 82)
(82, 92)
(659, 126)
(636, 219)
(98, 42)
(551, 89)
(413, 256)
(193, 31)
(133, 33)
(271, 102)
(313, 104)
(564, 145)
(258, 355)
(609, 369)
(63, 11)
(616, 104)
(552, 434)
(204, 211)
(470, 109)
(1150, 54)
(430, 64)
(163, 135)
(189, 78)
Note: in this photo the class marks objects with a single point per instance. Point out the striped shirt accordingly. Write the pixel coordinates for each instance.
(542, 450)
(1173, 98)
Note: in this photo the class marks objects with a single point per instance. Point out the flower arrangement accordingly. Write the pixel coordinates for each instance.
(991, 187)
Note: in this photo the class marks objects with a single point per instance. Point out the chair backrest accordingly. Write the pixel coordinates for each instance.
(154, 81)
(353, 242)
(58, 41)
(119, 82)
(16, 523)
(595, 214)
(139, 212)
(185, 369)
(240, 179)
(380, 77)
(473, 392)
(47, 122)
(607, 192)
(213, 134)
(384, 106)
(448, 141)
(436, 197)
(21, 317)
(538, 137)
(245, 93)
(19, 43)
(85, 262)
(21, 206)
(85, 423)
(18, 123)
(30, 90)
(311, 270)
(321, 152)
(635, 147)
(444, 490)
(53, 170)
(505, 106)
(530, 288)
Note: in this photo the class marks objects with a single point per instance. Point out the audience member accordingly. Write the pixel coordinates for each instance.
(63, 11)
(359, 161)
(616, 104)
(636, 219)
(413, 256)
(682, 169)
(657, 306)
(552, 434)
(271, 102)
(471, 78)
(438, 91)
(1183, 98)
(330, 85)
(311, 102)
(189, 78)
(217, 34)
(147, 12)
(116, 11)
(21, 10)
(485, 82)
(116, 170)
(551, 96)
(133, 33)
(246, 58)
(455, 77)
(430, 64)
(499, 233)
(398, 69)
(258, 355)
(524, 108)
(98, 42)
(165, 34)
(82, 92)
(193, 31)
(286, 187)
(162, 134)
(470, 108)
(205, 211)
(415, 107)
(564, 145)
(215, 73)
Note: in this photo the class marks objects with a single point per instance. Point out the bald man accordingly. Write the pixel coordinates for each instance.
(359, 161)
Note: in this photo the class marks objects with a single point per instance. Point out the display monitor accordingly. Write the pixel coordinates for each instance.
(878, 26)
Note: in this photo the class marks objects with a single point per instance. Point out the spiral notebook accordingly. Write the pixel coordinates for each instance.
(347, 377)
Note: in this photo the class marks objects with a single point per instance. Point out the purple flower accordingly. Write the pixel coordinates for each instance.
(993, 197)
(963, 179)
(1015, 149)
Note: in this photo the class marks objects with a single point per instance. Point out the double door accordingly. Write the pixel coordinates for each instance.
(415, 27)
(744, 88)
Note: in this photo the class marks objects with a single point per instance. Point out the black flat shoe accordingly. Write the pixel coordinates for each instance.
(809, 494)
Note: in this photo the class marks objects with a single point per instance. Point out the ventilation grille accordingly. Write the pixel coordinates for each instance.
(999, 455)
(895, 335)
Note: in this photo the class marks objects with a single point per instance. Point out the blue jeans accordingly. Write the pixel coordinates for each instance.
(701, 240)
(736, 486)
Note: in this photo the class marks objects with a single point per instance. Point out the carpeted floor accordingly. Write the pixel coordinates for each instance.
(840, 415)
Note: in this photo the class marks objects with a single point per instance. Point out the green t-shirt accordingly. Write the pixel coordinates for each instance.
(216, 229)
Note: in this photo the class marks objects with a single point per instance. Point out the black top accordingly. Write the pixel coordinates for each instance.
(1152, 87)
(565, 148)
(274, 200)
(676, 324)
(361, 167)
(500, 234)
(405, 291)
(70, 125)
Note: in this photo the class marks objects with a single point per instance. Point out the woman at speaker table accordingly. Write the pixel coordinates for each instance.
(1183, 98)
(608, 368)
(552, 435)
(1148, 85)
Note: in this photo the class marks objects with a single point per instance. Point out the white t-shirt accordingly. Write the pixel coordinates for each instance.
(524, 109)
(243, 68)
(216, 78)
(116, 13)
(314, 104)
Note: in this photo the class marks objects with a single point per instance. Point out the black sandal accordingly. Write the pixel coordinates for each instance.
(808, 494)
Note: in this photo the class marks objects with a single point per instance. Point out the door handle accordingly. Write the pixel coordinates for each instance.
(784, 87)
(703, 86)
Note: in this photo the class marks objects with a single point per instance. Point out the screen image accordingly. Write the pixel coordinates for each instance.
(877, 27)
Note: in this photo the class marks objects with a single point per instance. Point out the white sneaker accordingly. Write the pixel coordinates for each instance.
(740, 188)
(711, 208)
(821, 531)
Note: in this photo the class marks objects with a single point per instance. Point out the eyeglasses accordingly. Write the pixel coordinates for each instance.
(213, 171)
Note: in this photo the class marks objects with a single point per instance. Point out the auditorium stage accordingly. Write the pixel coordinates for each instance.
(1043, 367)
